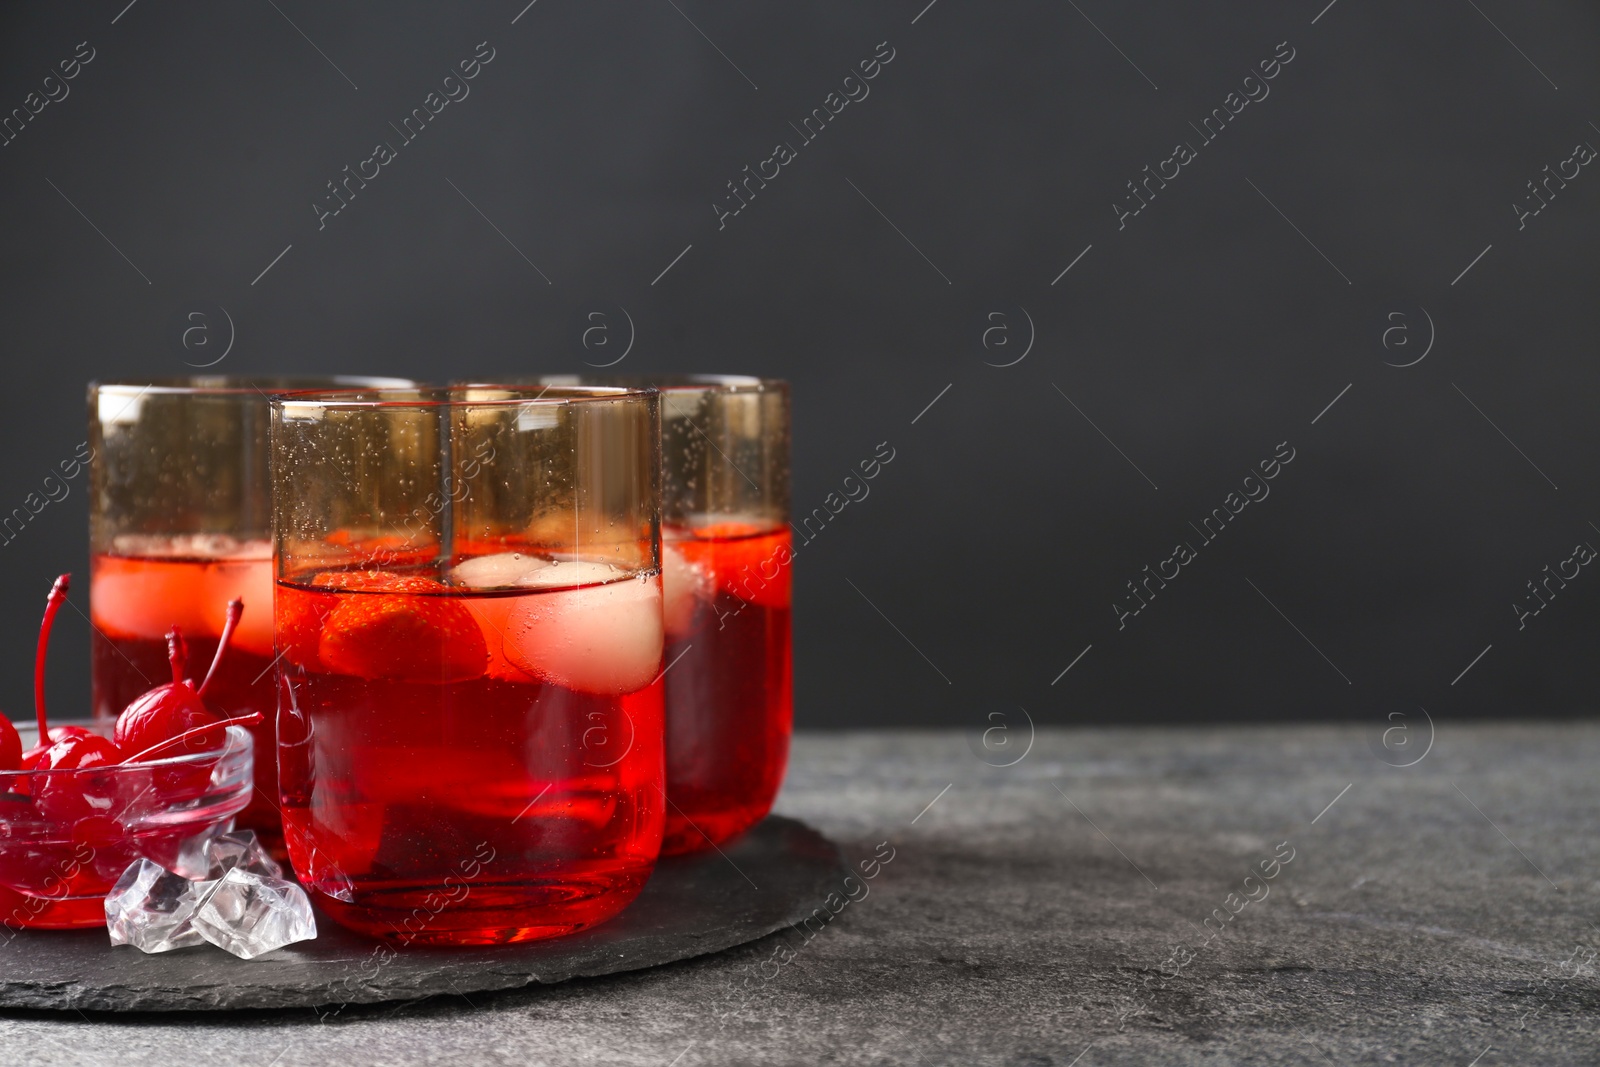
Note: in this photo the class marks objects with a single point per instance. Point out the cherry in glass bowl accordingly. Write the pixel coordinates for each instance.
(67, 834)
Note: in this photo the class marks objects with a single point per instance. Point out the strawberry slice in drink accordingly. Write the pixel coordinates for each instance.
(298, 625)
(300, 618)
(399, 629)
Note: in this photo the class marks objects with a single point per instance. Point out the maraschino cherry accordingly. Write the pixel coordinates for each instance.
(70, 747)
(56, 794)
(253, 718)
(177, 707)
(166, 715)
(10, 746)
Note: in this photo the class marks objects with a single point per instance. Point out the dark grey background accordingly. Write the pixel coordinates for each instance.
(991, 550)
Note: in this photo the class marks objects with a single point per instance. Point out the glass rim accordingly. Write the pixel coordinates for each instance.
(223, 385)
(675, 382)
(453, 396)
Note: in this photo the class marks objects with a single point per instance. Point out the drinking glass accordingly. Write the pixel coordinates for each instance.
(726, 553)
(180, 518)
(469, 616)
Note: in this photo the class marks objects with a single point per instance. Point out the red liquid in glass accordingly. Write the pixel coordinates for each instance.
(459, 766)
(135, 599)
(729, 683)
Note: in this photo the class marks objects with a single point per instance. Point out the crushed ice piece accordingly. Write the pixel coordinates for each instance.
(604, 639)
(192, 861)
(496, 571)
(153, 909)
(210, 856)
(251, 914)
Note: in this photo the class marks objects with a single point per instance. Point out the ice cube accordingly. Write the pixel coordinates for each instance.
(496, 571)
(597, 639)
(213, 855)
(192, 860)
(562, 573)
(251, 914)
(683, 586)
(153, 909)
(249, 579)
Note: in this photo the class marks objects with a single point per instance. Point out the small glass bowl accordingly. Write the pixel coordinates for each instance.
(67, 835)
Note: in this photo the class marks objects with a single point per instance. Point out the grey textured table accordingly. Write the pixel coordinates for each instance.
(1055, 912)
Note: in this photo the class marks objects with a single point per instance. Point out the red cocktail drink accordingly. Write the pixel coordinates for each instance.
(468, 608)
(180, 523)
(136, 597)
(725, 567)
(517, 731)
(729, 688)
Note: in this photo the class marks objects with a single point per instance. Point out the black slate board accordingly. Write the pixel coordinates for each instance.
(772, 877)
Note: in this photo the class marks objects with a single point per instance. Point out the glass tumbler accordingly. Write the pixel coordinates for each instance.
(469, 616)
(726, 554)
(180, 517)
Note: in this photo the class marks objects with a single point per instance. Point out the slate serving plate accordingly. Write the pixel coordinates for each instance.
(772, 877)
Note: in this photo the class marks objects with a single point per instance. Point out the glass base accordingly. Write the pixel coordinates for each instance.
(27, 912)
(488, 913)
(693, 830)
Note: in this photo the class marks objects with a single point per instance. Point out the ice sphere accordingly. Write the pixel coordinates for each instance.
(683, 584)
(251, 914)
(499, 570)
(602, 639)
(153, 909)
(213, 855)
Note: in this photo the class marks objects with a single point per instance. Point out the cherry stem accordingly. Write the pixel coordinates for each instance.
(177, 654)
(251, 719)
(235, 609)
(58, 593)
